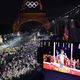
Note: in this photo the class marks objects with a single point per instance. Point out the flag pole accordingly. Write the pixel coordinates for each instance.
(71, 51)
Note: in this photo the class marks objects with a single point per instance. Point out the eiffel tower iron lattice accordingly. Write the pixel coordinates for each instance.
(31, 11)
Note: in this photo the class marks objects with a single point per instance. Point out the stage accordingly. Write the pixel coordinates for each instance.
(55, 66)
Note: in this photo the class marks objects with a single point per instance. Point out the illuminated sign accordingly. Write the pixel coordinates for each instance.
(32, 4)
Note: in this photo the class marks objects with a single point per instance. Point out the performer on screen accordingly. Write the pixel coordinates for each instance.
(74, 63)
(62, 56)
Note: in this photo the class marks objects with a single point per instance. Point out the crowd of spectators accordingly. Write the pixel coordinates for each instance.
(20, 64)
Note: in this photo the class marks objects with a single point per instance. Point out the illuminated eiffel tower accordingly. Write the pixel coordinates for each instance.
(31, 10)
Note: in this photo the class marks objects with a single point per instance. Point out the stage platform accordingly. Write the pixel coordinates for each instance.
(56, 67)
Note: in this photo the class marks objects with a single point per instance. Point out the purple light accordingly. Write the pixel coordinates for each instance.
(79, 46)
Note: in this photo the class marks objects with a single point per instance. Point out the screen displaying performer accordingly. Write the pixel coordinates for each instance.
(61, 56)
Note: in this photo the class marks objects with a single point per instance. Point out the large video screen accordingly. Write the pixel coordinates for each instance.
(61, 56)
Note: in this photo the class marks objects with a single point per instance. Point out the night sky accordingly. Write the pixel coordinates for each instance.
(9, 10)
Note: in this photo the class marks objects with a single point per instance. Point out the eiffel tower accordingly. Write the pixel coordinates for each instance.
(31, 10)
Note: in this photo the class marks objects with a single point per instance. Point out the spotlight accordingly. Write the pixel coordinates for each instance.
(53, 21)
(66, 16)
(79, 46)
(51, 34)
(1, 39)
(18, 34)
(38, 34)
(72, 20)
